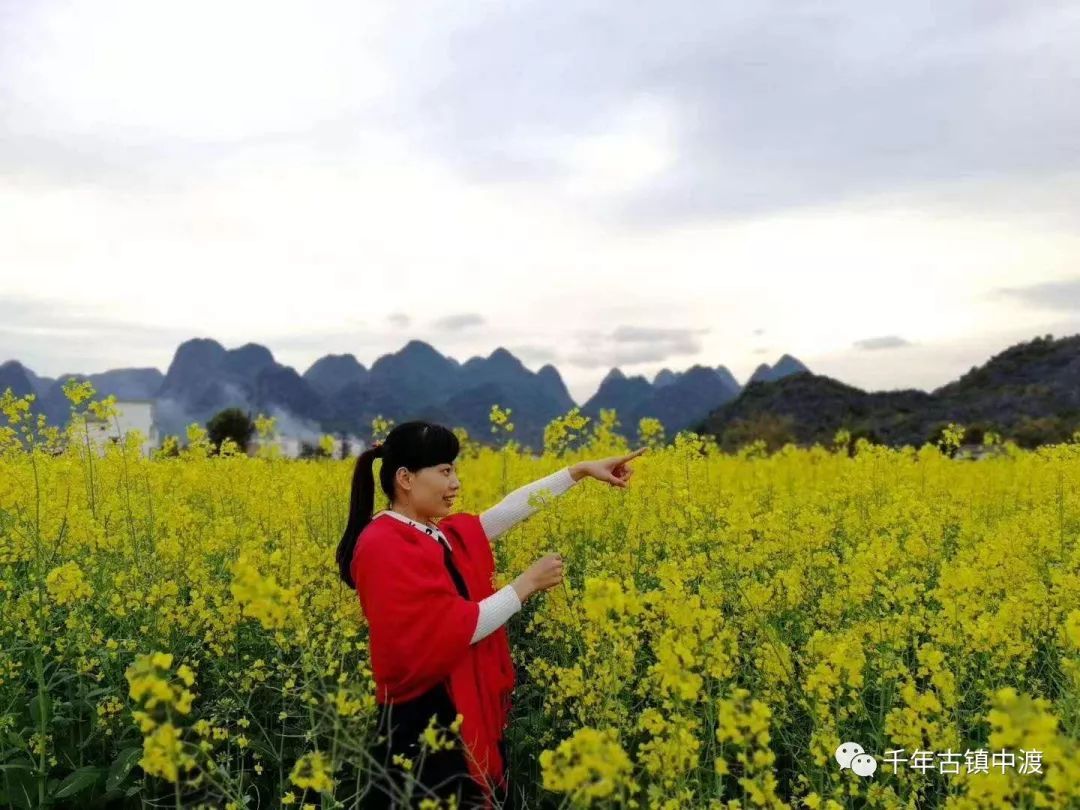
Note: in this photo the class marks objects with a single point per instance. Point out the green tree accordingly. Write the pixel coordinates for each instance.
(1032, 432)
(847, 440)
(775, 430)
(313, 450)
(231, 423)
(948, 436)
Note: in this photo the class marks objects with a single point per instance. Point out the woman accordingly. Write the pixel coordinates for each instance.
(438, 644)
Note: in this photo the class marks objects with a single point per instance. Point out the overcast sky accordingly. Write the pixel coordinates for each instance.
(888, 191)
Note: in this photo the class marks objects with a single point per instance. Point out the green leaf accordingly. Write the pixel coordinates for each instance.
(121, 767)
(21, 786)
(79, 780)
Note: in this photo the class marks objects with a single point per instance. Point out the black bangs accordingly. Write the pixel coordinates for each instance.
(419, 444)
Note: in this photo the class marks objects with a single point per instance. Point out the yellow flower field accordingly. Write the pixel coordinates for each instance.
(173, 630)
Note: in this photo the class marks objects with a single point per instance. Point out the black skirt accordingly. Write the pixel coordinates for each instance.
(436, 774)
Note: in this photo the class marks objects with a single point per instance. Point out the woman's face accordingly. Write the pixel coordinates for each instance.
(432, 489)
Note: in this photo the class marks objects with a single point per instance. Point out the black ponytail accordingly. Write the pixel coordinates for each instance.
(361, 505)
(413, 445)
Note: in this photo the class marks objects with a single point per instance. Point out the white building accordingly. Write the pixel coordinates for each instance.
(131, 414)
(356, 446)
(292, 446)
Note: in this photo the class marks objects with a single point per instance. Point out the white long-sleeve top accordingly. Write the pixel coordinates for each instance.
(496, 609)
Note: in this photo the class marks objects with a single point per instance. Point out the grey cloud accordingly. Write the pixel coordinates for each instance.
(884, 342)
(631, 345)
(57, 320)
(326, 341)
(458, 322)
(38, 331)
(531, 353)
(774, 105)
(619, 357)
(162, 164)
(1057, 295)
(648, 334)
(400, 319)
(38, 315)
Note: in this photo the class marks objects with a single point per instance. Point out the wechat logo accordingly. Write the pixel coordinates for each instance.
(851, 755)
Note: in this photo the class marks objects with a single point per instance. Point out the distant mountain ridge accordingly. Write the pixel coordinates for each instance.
(677, 399)
(337, 393)
(1029, 392)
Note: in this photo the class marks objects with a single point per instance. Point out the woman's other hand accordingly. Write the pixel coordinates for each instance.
(545, 573)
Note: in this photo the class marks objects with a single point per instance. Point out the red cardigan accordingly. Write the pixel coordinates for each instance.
(420, 628)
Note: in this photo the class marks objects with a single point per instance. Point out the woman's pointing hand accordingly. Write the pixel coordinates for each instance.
(614, 470)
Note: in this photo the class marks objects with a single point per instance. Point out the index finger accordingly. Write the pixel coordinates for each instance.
(635, 454)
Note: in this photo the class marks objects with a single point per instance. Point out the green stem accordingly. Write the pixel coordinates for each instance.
(39, 672)
(90, 467)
